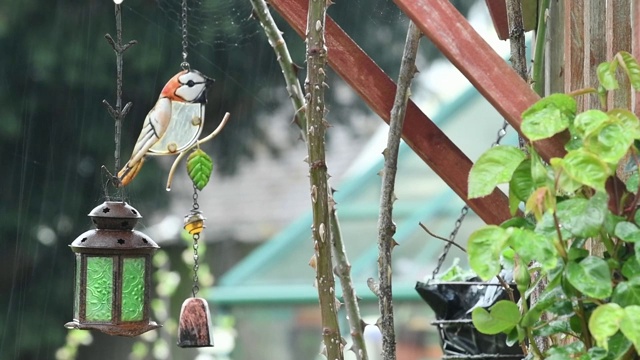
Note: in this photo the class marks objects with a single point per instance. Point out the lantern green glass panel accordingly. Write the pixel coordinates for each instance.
(99, 288)
(133, 276)
(76, 298)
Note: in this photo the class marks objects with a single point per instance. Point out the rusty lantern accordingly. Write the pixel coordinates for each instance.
(113, 273)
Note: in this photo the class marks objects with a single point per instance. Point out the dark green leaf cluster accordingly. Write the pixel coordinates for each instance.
(571, 207)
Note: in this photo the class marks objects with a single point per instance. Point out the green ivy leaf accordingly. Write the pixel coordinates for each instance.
(627, 231)
(629, 120)
(502, 317)
(632, 182)
(583, 218)
(607, 75)
(588, 121)
(630, 325)
(495, 166)
(565, 184)
(539, 172)
(595, 353)
(590, 276)
(548, 298)
(532, 246)
(484, 248)
(605, 322)
(520, 186)
(610, 141)
(586, 168)
(619, 345)
(552, 328)
(521, 181)
(626, 293)
(549, 116)
(631, 268)
(199, 167)
(565, 352)
(630, 66)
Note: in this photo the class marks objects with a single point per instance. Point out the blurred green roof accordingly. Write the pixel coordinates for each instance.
(278, 270)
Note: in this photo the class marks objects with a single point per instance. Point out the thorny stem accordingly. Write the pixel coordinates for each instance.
(386, 227)
(119, 112)
(343, 271)
(289, 69)
(316, 129)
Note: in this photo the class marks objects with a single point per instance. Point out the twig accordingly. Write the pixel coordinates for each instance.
(442, 238)
(196, 144)
(343, 271)
(386, 227)
(316, 129)
(289, 69)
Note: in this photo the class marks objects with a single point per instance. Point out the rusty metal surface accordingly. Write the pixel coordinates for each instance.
(378, 91)
(194, 329)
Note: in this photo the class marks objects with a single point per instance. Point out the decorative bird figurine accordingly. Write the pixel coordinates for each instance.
(188, 87)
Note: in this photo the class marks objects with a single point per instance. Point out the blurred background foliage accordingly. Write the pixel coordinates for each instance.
(55, 70)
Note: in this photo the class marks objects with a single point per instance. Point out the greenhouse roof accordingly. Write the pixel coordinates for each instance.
(278, 270)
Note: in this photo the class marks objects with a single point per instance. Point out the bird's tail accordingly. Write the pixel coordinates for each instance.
(129, 172)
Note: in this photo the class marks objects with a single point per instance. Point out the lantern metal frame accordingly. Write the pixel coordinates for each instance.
(115, 239)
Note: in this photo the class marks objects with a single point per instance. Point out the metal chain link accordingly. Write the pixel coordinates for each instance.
(196, 237)
(452, 237)
(502, 132)
(185, 36)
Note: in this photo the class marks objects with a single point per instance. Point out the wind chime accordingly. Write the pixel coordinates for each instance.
(113, 269)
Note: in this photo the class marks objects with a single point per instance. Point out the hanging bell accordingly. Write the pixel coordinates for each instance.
(194, 329)
(194, 222)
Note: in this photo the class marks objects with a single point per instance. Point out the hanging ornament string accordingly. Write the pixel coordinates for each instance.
(196, 237)
(185, 36)
(119, 112)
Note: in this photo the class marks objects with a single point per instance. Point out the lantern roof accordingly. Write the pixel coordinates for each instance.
(114, 221)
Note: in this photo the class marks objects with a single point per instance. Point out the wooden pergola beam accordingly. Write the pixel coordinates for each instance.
(378, 90)
(452, 34)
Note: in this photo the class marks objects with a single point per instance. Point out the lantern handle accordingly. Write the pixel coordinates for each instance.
(215, 132)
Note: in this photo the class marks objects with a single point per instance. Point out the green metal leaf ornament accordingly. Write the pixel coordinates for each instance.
(199, 167)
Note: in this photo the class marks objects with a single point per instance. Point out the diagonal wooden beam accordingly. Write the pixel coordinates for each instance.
(378, 90)
(452, 34)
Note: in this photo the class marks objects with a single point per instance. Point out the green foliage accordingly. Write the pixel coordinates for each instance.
(501, 317)
(592, 298)
(494, 167)
(199, 168)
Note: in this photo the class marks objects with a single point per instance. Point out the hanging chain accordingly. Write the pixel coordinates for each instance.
(185, 36)
(452, 237)
(502, 132)
(196, 237)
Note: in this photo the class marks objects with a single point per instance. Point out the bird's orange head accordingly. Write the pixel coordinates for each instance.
(188, 86)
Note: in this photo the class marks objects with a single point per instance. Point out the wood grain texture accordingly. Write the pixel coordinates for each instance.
(452, 34)
(378, 91)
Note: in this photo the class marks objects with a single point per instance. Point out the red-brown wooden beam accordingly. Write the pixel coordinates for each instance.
(378, 90)
(452, 34)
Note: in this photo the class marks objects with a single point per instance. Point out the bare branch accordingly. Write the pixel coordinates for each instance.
(386, 227)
